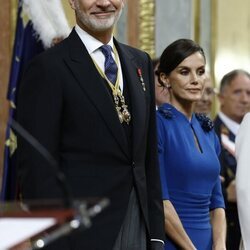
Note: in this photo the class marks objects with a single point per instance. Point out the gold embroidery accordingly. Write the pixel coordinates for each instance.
(11, 142)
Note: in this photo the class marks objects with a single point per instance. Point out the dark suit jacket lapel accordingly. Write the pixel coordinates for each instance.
(137, 95)
(83, 69)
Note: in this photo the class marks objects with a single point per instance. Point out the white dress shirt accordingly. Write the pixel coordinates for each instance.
(231, 124)
(93, 47)
(243, 179)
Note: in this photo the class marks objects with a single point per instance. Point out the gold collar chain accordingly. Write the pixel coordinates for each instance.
(120, 104)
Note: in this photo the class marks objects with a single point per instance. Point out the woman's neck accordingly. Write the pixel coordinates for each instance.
(185, 107)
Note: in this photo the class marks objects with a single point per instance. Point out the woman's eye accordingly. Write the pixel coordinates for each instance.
(201, 72)
(184, 72)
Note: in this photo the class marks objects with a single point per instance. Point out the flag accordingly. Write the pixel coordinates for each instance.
(39, 22)
(26, 46)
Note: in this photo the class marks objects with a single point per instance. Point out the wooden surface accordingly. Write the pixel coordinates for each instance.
(133, 23)
(5, 59)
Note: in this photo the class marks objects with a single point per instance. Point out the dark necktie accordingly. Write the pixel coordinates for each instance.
(110, 66)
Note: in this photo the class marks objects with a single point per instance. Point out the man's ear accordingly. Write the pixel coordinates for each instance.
(72, 4)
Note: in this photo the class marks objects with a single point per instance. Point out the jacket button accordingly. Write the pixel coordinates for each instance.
(133, 164)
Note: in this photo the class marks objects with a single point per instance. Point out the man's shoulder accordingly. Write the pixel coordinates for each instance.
(52, 54)
(217, 120)
(217, 123)
(132, 50)
(58, 49)
(222, 128)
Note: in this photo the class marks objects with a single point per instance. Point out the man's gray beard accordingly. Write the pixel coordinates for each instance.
(97, 24)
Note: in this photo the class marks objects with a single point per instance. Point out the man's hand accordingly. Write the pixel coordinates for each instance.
(231, 192)
(23, 246)
(222, 179)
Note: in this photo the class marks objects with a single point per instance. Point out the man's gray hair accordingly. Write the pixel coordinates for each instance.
(229, 77)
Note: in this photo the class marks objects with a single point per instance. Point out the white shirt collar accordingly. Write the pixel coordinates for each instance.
(232, 125)
(90, 42)
(92, 45)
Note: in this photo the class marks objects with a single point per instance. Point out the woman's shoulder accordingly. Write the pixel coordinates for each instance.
(165, 111)
(207, 126)
(205, 121)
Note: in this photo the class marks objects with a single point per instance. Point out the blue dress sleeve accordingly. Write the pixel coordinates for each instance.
(162, 157)
(217, 199)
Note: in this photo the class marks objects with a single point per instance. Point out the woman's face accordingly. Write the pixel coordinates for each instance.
(204, 105)
(187, 79)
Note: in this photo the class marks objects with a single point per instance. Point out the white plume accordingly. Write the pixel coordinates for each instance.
(48, 18)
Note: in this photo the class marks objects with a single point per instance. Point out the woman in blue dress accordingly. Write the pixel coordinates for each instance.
(188, 154)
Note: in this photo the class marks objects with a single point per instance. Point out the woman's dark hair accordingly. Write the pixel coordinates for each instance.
(175, 53)
(155, 62)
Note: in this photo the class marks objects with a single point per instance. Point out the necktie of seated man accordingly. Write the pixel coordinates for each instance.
(110, 66)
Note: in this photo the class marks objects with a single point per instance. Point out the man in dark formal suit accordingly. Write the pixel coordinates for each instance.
(90, 101)
(234, 98)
